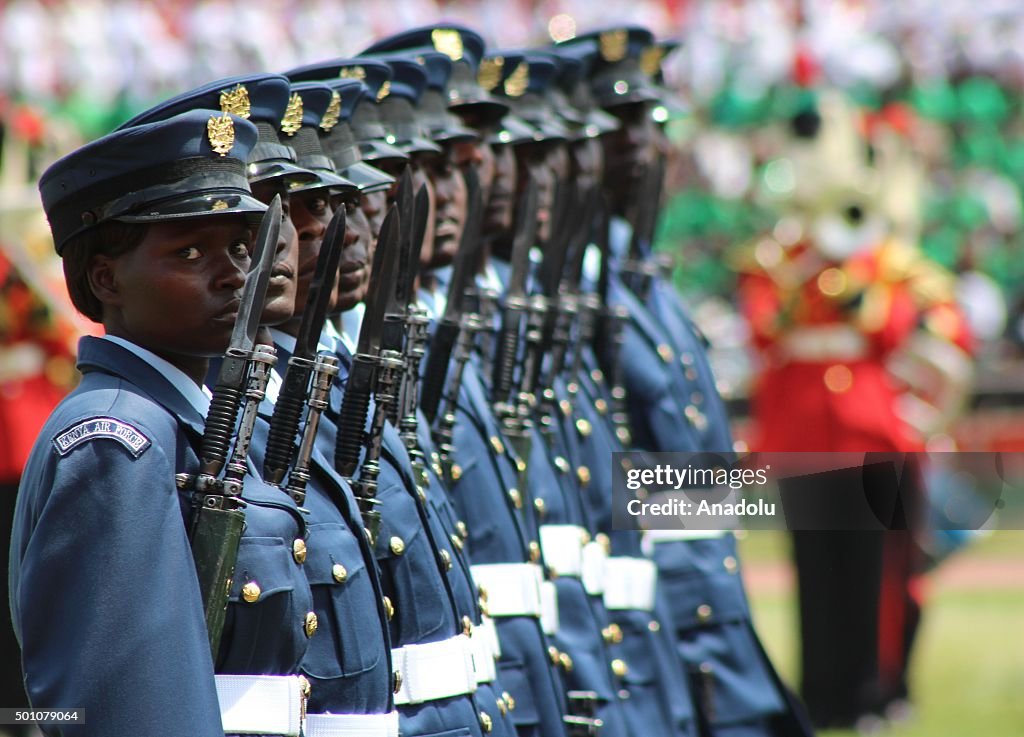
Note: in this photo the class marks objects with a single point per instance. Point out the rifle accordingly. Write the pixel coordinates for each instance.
(362, 379)
(284, 424)
(217, 523)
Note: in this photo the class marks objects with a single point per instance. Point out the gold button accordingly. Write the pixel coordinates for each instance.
(534, 547)
(556, 657)
(482, 602)
(299, 550)
(540, 506)
(467, 626)
(832, 282)
(561, 464)
(654, 625)
(251, 592)
(482, 591)
(311, 624)
(397, 545)
(566, 407)
(463, 529)
(520, 465)
(730, 564)
(565, 661)
(498, 446)
(339, 573)
(516, 497)
(398, 680)
(421, 494)
(601, 406)
(501, 706)
(438, 469)
(572, 387)
(584, 428)
(597, 376)
(446, 558)
(424, 476)
(623, 435)
(456, 472)
(305, 686)
(389, 608)
(612, 633)
(456, 541)
(687, 359)
(703, 612)
(486, 723)
(604, 541)
(838, 378)
(690, 374)
(696, 397)
(583, 474)
(619, 667)
(618, 392)
(665, 352)
(508, 700)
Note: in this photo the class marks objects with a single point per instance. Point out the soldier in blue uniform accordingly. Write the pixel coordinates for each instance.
(348, 665)
(499, 516)
(674, 406)
(99, 494)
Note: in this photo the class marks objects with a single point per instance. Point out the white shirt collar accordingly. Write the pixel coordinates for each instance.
(197, 396)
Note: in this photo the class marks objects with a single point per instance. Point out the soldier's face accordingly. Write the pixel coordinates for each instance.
(450, 219)
(354, 269)
(281, 291)
(502, 201)
(628, 151)
(178, 292)
(534, 161)
(311, 212)
(374, 206)
(587, 163)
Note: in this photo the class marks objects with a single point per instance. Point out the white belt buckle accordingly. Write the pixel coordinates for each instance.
(271, 705)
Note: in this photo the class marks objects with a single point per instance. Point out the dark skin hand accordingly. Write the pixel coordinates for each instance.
(177, 294)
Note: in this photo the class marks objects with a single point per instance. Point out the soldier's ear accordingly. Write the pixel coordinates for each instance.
(103, 280)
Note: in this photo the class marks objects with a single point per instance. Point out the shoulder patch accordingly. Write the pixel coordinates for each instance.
(102, 427)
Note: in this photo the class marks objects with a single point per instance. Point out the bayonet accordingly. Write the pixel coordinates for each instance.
(284, 425)
(217, 524)
(447, 330)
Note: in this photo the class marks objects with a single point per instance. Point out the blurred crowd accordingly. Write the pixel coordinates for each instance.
(947, 75)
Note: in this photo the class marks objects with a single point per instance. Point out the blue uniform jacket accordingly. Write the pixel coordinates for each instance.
(103, 585)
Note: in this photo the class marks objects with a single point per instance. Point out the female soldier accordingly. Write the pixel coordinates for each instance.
(151, 223)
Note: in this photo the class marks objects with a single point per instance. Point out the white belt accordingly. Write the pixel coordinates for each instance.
(563, 548)
(483, 640)
(512, 589)
(435, 670)
(261, 704)
(629, 583)
(594, 556)
(352, 725)
(548, 607)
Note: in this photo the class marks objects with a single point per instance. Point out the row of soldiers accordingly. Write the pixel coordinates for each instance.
(351, 475)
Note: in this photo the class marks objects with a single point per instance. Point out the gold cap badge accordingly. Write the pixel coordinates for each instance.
(650, 60)
(353, 73)
(385, 90)
(221, 133)
(292, 120)
(235, 101)
(518, 80)
(448, 42)
(333, 113)
(490, 72)
(614, 44)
